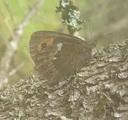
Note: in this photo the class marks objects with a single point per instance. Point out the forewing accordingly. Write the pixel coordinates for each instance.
(57, 55)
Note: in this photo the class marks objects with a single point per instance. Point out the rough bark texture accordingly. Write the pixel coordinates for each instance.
(98, 91)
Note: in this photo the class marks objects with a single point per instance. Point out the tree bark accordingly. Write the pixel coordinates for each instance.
(98, 91)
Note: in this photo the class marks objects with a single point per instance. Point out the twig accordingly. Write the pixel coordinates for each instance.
(13, 44)
(12, 72)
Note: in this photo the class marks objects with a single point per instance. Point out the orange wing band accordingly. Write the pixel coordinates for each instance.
(48, 42)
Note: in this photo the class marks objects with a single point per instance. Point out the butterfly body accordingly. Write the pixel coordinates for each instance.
(57, 55)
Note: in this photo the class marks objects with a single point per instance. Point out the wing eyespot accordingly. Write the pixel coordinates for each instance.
(43, 45)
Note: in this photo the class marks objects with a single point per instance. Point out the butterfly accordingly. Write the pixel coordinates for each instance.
(57, 55)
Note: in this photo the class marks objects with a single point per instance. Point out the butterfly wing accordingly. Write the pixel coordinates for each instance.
(57, 55)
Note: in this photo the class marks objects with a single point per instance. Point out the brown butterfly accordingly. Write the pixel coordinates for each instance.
(57, 55)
